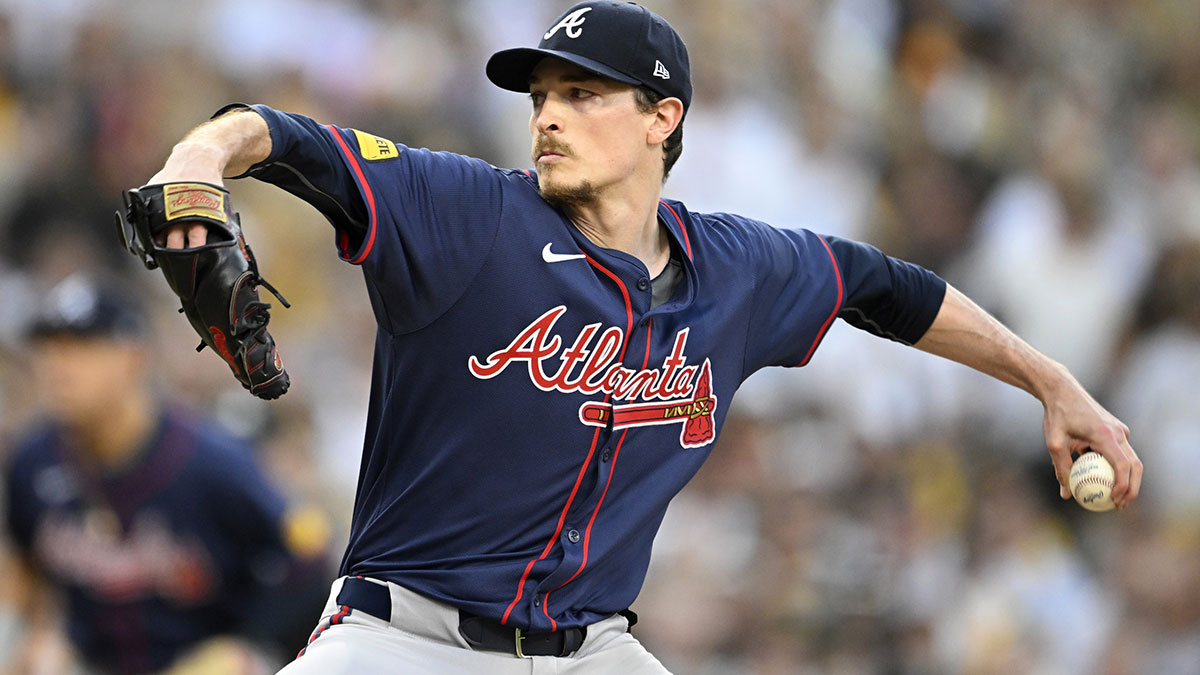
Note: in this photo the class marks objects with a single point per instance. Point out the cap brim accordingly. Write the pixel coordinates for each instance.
(510, 69)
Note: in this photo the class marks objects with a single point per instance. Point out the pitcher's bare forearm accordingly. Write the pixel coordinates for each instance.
(226, 146)
(965, 333)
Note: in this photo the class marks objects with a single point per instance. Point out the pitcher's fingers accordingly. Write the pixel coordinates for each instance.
(175, 237)
(1135, 475)
(197, 235)
(1114, 447)
(1061, 456)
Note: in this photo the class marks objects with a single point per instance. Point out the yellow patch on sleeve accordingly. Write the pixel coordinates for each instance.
(374, 148)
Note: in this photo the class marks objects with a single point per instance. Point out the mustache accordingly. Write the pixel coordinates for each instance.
(546, 144)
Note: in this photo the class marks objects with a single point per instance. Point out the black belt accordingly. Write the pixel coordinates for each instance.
(493, 636)
(375, 599)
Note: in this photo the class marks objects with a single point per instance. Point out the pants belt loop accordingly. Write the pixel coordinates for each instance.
(366, 596)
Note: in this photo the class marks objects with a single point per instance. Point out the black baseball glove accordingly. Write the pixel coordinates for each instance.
(217, 283)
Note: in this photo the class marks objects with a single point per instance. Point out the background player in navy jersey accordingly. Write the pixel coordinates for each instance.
(154, 533)
(557, 349)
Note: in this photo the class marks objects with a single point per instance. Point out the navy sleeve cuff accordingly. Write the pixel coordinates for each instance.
(886, 296)
(305, 160)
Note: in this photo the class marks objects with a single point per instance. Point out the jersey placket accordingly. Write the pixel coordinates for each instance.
(575, 538)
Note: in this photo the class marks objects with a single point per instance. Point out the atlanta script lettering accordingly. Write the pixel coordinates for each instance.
(673, 393)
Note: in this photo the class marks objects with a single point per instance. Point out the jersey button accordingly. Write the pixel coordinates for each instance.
(643, 284)
(606, 456)
(573, 535)
(537, 602)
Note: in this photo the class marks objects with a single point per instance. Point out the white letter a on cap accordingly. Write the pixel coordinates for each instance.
(661, 71)
(573, 22)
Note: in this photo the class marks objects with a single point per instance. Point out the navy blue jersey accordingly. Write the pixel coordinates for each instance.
(532, 414)
(152, 557)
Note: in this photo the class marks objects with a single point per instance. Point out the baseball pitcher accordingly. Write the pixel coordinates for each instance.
(557, 347)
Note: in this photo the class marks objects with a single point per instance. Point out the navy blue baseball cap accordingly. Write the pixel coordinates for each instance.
(84, 308)
(619, 40)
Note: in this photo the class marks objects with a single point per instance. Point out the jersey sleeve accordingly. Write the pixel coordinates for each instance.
(798, 293)
(306, 162)
(885, 296)
(419, 222)
(805, 281)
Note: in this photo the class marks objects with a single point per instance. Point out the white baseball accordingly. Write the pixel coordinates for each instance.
(1091, 482)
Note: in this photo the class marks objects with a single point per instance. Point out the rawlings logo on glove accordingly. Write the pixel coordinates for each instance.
(217, 283)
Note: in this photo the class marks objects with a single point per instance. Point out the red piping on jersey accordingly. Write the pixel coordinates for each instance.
(366, 188)
(612, 468)
(649, 327)
(686, 242)
(837, 272)
(624, 294)
(562, 517)
(587, 536)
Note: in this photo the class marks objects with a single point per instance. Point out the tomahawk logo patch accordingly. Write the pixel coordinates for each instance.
(675, 393)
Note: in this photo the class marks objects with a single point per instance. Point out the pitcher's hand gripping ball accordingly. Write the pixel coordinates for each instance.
(1091, 482)
(217, 283)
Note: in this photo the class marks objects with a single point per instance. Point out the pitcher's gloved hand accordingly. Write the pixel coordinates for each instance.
(217, 283)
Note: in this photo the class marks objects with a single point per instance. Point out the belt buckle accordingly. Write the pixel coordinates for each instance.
(519, 637)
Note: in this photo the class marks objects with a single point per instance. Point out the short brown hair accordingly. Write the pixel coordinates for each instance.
(646, 99)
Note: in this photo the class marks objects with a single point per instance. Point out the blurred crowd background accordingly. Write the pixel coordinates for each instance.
(878, 511)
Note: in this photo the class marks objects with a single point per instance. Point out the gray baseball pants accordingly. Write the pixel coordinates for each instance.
(422, 638)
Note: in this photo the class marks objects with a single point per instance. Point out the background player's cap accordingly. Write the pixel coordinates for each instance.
(82, 307)
(619, 40)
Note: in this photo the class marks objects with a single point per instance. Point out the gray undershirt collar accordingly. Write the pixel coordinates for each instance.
(662, 287)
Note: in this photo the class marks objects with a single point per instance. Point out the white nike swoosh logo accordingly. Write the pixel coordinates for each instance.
(552, 257)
